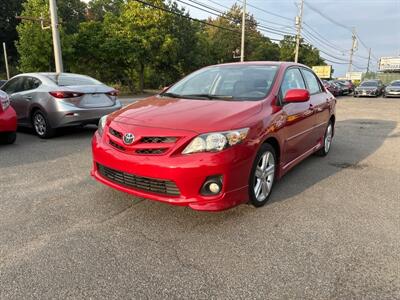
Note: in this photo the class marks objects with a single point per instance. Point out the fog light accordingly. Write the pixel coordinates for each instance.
(212, 186)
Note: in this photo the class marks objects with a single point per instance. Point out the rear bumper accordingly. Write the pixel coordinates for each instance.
(69, 115)
(188, 172)
(8, 120)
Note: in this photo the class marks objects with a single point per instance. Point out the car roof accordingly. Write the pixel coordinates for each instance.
(267, 63)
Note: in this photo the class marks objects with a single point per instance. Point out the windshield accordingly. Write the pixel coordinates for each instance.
(395, 83)
(369, 83)
(239, 82)
(72, 79)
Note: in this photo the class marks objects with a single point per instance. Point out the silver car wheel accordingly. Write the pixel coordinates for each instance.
(328, 138)
(40, 124)
(264, 176)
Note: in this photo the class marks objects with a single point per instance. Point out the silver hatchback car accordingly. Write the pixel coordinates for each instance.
(46, 101)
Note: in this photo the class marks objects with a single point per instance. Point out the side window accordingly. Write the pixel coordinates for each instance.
(13, 86)
(30, 83)
(292, 80)
(312, 82)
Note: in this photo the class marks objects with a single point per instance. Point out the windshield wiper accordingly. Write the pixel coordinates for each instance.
(209, 96)
(172, 95)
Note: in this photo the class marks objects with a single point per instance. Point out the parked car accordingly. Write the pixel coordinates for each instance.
(393, 89)
(344, 88)
(8, 120)
(332, 88)
(369, 88)
(47, 101)
(347, 83)
(2, 82)
(219, 137)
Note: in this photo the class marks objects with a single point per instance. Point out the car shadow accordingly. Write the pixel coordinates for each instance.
(355, 140)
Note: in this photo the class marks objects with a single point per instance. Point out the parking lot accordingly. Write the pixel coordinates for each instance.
(330, 231)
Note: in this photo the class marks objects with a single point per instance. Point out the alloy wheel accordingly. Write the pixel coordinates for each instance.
(40, 124)
(328, 138)
(264, 176)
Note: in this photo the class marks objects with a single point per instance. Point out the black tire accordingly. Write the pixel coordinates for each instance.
(8, 138)
(253, 179)
(325, 150)
(42, 128)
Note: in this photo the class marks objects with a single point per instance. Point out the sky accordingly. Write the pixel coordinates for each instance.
(377, 24)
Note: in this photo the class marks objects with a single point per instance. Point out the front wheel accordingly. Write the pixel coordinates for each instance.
(262, 177)
(327, 140)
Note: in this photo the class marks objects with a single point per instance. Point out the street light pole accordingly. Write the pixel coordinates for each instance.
(299, 20)
(56, 36)
(243, 31)
(6, 60)
(353, 46)
(369, 59)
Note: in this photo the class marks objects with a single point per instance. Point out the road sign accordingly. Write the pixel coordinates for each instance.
(389, 63)
(323, 72)
(354, 75)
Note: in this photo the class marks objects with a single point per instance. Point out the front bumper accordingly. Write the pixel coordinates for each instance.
(69, 115)
(188, 172)
(8, 120)
(366, 93)
(392, 93)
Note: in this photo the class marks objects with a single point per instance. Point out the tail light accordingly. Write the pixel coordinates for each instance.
(113, 93)
(65, 94)
(5, 102)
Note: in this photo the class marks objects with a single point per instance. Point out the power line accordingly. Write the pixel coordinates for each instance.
(267, 12)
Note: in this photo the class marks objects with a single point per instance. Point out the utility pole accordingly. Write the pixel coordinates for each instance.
(353, 47)
(6, 61)
(56, 36)
(369, 59)
(299, 20)
(243, 31)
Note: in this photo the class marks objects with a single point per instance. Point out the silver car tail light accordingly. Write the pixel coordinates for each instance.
(65, 94)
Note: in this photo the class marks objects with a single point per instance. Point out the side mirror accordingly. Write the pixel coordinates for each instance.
(296, 95)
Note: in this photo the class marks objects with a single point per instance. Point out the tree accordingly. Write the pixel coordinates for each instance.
(308, 55)
(71, 13)
(98, 8)
(8, 24)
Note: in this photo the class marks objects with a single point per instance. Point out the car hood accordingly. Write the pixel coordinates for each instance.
(187, 114)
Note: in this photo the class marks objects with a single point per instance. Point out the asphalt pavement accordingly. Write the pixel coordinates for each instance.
(330, 231)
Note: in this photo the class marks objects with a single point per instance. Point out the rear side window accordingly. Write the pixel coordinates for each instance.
(292, 80)
(312, 82)
(30, 83)
(72, 79)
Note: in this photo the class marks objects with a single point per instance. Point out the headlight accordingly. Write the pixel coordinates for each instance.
(102, 123)
(216, 141)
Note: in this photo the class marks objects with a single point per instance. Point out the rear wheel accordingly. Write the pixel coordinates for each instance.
(41, 125)
(262, 177)
(327, 140)
(8, 137)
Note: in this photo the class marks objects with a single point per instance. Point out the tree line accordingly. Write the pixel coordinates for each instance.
(137, 44)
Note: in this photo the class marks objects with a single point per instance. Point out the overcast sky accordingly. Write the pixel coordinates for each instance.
(377, 23)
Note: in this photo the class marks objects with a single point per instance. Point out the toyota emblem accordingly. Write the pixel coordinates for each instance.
(129, 138)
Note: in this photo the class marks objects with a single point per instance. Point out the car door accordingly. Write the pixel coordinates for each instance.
(320, 104)
(13, 89)
(299, 118)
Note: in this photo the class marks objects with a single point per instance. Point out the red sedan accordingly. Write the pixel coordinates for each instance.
(219, 137)
(8, 120)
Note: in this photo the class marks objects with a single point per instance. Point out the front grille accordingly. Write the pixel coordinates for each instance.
(115, 133)
(151, 151)
(157, 139)
(115, 145)
(157, 186)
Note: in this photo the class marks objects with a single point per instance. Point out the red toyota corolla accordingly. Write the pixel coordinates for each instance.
(8, 120)
(219, 137)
